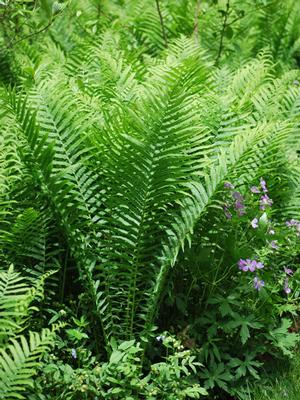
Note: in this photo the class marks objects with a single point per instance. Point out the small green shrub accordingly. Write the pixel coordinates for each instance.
(122, 377)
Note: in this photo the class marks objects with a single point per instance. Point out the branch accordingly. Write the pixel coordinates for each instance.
(223, 32)
(161, 23)
(11, 44)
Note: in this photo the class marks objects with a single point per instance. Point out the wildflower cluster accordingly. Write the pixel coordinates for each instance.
(238, 202)
(265, 200)
(262, 203)
(293, 223)
(252, 266)
(288, 272)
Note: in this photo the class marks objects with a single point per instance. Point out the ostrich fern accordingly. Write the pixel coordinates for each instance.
(131, 184)
(19, 355)
(126, 144)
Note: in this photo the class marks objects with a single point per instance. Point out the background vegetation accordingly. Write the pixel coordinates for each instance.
(149, 198)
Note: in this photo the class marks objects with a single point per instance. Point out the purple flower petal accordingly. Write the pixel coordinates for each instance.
(228, 185)
(241, 212)
(274, 244)
(292, 222)
(237, 196)
(258, 283)
(74, 354)
(254, 189)
(249, 265)
(263, 185)
(286, 287)
(288, 271)
(252, 266)
(259, 265)
(244, 264)
(227, 213)
(265, 201)
(254, 223)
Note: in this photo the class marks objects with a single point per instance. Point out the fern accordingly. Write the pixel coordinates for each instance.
(19, 362)
(13, 292)
(19, 356)
(126, 143)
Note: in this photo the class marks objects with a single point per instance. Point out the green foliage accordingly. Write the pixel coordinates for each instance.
(244, 317)
(19, 356)
(120, 123)
(122, 376)
(284, 383)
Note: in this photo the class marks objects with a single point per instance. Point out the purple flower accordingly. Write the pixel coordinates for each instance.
(227, 213)
(239, 205)
(258, 283)
(228, 185)
(259, 265)
(245, 265)
(294, 223)
(249, 265)
(254, 223)
(265, 202)
(237, 196)
(274, 244)
(254, 189)
(288, 271)
(241, 212)
(263, 185)
(74, 354)
(286, 287)
(291, 222)
(271, 232)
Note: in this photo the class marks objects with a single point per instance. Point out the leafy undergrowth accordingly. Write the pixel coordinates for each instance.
(149, 198)
(282, 382)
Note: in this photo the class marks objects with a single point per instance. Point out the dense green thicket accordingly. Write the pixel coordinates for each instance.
(149, 196)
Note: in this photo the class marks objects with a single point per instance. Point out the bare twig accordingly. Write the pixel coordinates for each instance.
(162, 23)
(224, 26)
(196, 21)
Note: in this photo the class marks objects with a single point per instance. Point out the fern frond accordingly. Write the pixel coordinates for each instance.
(13, 292)
(15, 300)
(19, 362)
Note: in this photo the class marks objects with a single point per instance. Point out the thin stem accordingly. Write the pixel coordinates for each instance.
(196, 21)
(12, 42)
(161, 23)
(223, 32)
(64, 274)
